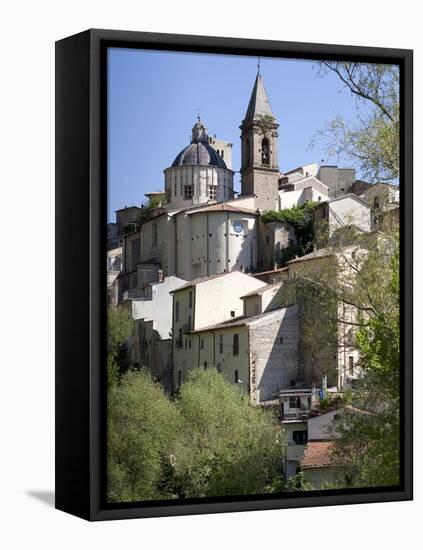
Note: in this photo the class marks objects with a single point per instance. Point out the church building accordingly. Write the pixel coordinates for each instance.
(203, 229)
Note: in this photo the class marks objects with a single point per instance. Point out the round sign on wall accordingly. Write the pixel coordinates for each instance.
(238, 226)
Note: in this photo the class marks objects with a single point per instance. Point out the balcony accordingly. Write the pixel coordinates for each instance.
(300, 416)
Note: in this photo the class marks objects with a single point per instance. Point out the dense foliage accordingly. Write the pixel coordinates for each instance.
(369, 446)
(209, 441)
(300, 218)
(119, 329)
(372, 143)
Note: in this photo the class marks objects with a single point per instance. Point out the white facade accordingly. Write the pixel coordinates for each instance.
(159, 307)
(296, 193)
(336, 214)
(189, 185)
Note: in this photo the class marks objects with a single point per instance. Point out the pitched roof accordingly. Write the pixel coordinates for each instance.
(259, 104)
(223, 206)
(320, 253)
(200, 280)
(242, 321)
(263, 289)
(318, 454)
(271, 271)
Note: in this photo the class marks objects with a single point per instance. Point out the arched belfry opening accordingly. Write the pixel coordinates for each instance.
(265, 151)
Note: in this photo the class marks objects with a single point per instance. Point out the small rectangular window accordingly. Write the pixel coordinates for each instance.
(202, 343)
(190, 299)
(177, 311)
(232, 313)
(212, 192)
(299, 437)
(351, 364)
(294, 403)
(205, 365)
(236, 344)
(187, 192)
(220, 343)
(189, 343)
(186, 343)
(236, 379)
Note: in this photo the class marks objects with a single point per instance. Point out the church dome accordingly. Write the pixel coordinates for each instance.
(199, 151)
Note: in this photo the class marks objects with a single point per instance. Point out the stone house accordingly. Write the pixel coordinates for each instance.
(338, 180)
(150, 345)
(326, 347)
(295, 192)
(333, 218)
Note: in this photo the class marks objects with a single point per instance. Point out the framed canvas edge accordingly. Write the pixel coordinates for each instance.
(90, 451)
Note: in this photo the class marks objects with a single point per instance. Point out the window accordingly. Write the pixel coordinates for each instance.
(267, 239)
(265, 151)
(236, 344)
(179, 377)
(180, 338)
(202, 343)
(154, 229)
(299, 437)
(351, 364)
(236, 379)
(319, 198)
(186, 343)
(232, 313)
(177, 311)
(220, 343)
(187, 192)
(205, 365)
(212, 192)
(280, 339)
(376, 203)
(189, 343)
(294, 403)
(189, 322)
(190, 299)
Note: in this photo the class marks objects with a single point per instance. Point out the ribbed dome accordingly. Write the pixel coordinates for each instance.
(199, 151)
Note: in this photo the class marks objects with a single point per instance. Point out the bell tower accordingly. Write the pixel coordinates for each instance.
(259, 149)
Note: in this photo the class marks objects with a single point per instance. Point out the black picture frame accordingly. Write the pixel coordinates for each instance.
(81, 189)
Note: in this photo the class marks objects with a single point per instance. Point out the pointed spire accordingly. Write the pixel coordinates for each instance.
(259, 102)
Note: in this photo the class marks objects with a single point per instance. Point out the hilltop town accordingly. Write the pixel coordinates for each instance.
(209, 277)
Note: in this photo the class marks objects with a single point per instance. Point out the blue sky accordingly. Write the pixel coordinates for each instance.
(153, 102)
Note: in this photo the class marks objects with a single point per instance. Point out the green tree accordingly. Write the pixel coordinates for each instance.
(208, 441)
(231, 447)
(143, 428)
(369, 444)
(372, 142)
(353, 292)
(119, 329)
(300, 218)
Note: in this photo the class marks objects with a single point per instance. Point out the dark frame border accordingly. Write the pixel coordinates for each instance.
(81, 196)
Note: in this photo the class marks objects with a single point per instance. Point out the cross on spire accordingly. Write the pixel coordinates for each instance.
(198, 114)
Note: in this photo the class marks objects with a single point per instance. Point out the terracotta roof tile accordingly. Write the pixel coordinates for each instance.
(318, 454)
